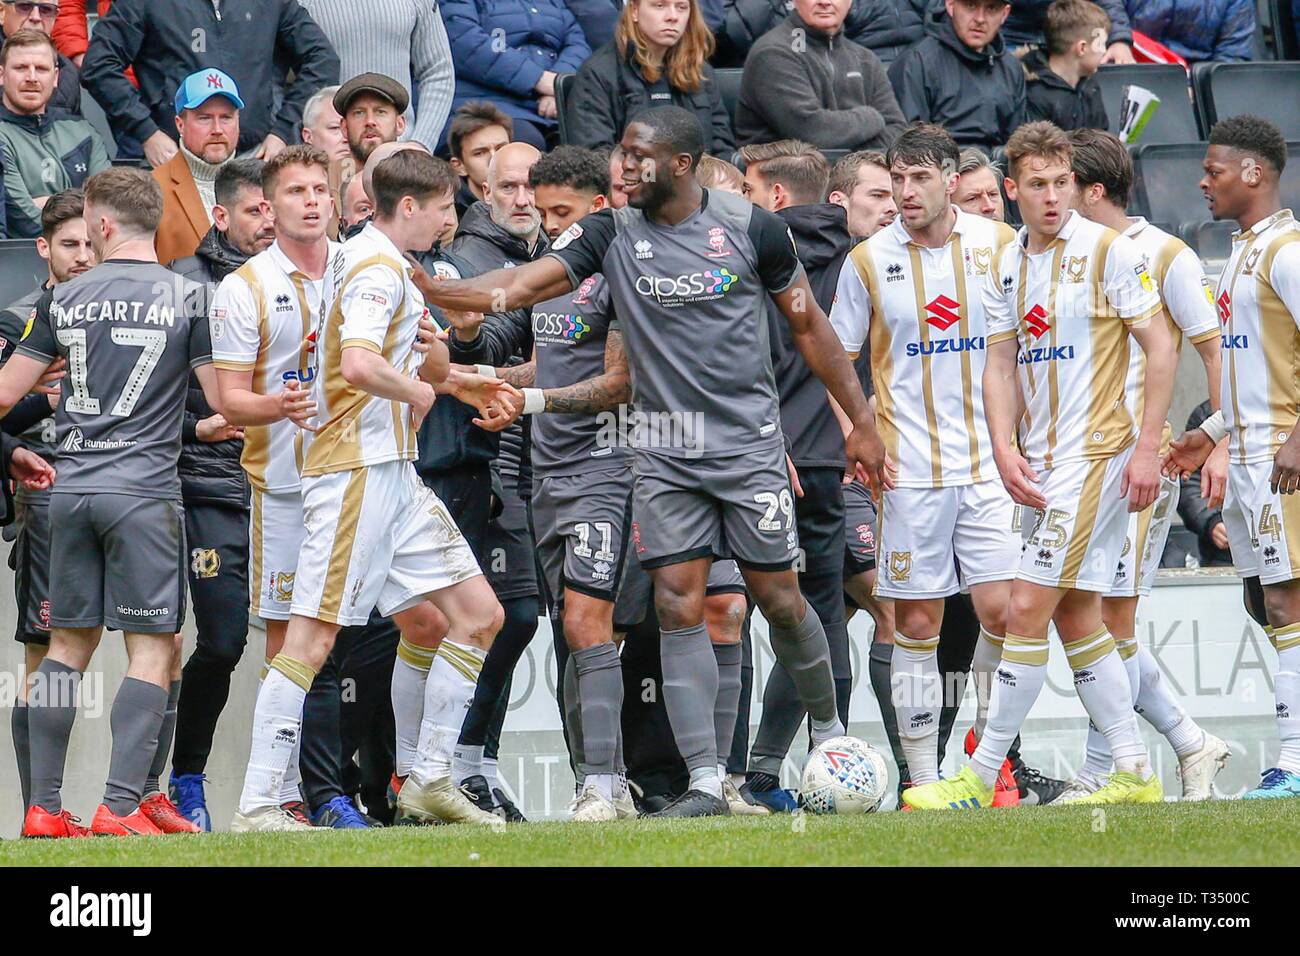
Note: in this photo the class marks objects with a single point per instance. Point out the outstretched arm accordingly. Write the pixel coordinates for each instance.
(499, 290)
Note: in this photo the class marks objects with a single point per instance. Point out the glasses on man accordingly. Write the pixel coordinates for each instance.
(48, 11)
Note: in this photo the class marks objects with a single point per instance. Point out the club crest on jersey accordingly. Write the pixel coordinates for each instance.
(900, 566)
(205, 562)
(583, 295)
(282, 586)
(978, 260)
(1075, 268)
(566, 237)
(717, 243)
(217, 323)
(1249, 267)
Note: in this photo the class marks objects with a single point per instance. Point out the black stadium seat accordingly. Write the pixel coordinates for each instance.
(563, 90)
(21, 269)
(1267, 89)
(1174, 120)
(729, 86)
(1283, 23)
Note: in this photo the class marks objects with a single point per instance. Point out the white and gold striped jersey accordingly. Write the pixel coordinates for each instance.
(1069, 308)
(1258, 299)
(371, 303)
(262, 319)
(921, 311)
(1187, 297)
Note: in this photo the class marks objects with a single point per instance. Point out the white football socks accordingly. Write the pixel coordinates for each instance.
(277, 727)
(1018, 679)
(447, 695)
(410, 672)
(705, 778)
(917, 692)
(1286, 687)
(988, 652)
(1158, 705)
(466, 761)
(1103, 686)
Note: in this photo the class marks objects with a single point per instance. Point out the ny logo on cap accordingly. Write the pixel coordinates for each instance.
(1036, 320)
(214, 81)
(942, 313)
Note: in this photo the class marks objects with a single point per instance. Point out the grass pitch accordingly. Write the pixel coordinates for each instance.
(1229, 833)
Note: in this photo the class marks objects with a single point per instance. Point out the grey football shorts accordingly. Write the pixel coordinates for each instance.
(582, 524)
(118, 561)
(736, 507)
(31, 565)
(859, 530)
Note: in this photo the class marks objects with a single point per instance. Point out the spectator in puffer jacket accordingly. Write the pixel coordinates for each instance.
(806, 80)
(43, 151)
(598, 18)
(658, 57)
(1062, 74)
(885, 27)
(1025, 28)
(1198, 30)
(962, 77)
(509, 52)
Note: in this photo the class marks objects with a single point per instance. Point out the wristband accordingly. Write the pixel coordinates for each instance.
(534, 401)
(487, 371)
(1214, 427)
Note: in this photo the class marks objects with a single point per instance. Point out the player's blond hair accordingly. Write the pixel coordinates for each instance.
(1038, 140)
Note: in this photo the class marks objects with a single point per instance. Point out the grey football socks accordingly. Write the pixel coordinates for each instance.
(51, 712)
(165, 734)
(783, 712)
(600, 694)
(878, 667)
(804, 651)
(573, 715)
(22, 750)
(727, 703)
(136, 718)
(690, 691)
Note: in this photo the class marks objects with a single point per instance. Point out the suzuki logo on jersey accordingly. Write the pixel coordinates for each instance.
(1051, 353)
(942, 313)
(1036, 321)
(678, 290)
(1239, 341)
(303, 375)
(1225, 308)
(560, 325)
(974, 343)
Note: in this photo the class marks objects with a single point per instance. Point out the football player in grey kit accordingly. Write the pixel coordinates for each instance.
(688, 270)
(130, 332)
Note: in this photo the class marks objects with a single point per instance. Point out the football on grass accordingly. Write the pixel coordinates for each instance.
(844, 775)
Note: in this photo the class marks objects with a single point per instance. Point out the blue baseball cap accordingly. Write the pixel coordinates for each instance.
(197, 88)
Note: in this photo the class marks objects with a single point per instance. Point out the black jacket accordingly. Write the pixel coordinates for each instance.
(210, 471)
(257, 42)
(885, 27)
(598, 18)
(824, 90)
(1198, 517)
(1048, 97)
(978, 97)
(1024, 26)
(813, 436)
(7, 446)
(448, 437)
(610, 89)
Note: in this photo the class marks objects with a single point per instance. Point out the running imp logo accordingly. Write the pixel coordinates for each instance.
(692, 287)
(76, 441)
(560, 325)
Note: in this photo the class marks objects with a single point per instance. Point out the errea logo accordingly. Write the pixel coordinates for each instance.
(642, 249)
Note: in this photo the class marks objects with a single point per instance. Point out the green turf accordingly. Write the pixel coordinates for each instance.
(1238, 833)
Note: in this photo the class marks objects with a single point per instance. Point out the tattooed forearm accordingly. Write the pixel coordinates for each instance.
(520, 376)
(598, 394)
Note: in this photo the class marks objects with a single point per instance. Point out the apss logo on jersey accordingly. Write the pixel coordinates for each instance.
(205, 562)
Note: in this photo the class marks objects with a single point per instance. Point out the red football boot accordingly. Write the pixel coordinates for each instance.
(1006, 792)
(298, 810)
(135, 823)
(163, 814)
(40, 823)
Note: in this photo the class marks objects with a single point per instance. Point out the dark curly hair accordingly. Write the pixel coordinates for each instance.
(580, 169)
(1253, 135)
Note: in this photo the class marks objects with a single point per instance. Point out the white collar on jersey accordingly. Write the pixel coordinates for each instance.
(376, 235)
(1279, 217)
(1072, 220)
(1136, 226)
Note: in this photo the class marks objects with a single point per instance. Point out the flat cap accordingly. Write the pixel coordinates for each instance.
(377, 84)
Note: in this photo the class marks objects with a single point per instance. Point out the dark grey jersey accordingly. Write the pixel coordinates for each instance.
(39, 437)
(691, 303)
(569, 335)
(130, 331)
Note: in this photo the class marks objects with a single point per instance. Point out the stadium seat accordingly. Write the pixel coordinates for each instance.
(1174, 121)
(1165, 187)
(833, 156)
(729, 86)
(563, 90)
(1282, 22)
(1266, 89)
(21, 269)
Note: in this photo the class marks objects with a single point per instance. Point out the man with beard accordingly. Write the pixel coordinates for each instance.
(64, 244)
(371, 106)
(207, 118)
(215, 497)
